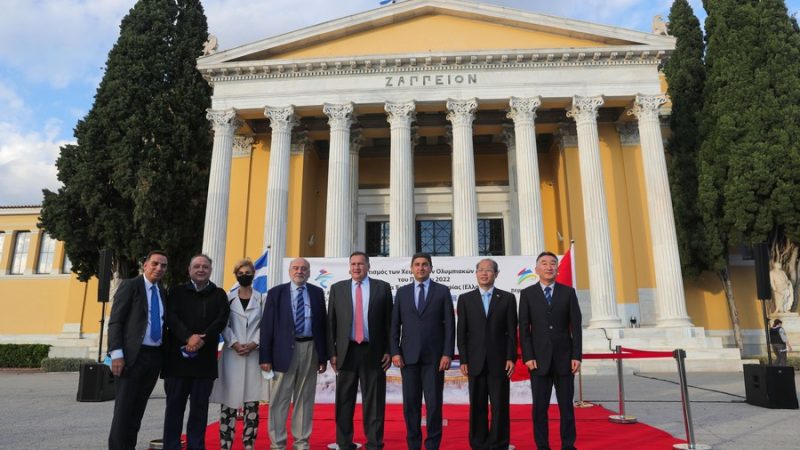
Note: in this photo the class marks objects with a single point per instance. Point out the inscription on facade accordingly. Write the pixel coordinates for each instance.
(430, 80)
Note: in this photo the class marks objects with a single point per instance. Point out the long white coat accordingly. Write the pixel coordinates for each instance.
(240, 378)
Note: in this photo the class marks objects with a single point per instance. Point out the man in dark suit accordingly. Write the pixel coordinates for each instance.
(550, 331)
(487, 348)
(359, 321)
(197, 312)
(135, 331)
(422, 345)
(293, 334)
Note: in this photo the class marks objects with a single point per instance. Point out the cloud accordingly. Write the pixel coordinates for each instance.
(27, 162)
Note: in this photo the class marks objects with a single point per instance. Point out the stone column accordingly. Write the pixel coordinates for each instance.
(402, 227)
(598, 243)
(513, 198)
(338, 217)
(461, 113)
(531, 223)
(670, 301)
(356, 141)
(215, 230)
(282, 120)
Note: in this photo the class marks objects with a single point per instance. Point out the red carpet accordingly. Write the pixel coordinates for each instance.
(594, 430)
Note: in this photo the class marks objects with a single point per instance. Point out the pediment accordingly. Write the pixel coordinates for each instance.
(433, 28)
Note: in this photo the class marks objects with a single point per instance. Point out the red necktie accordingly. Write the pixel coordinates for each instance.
(359, 334)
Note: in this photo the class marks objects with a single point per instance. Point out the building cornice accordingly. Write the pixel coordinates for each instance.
(456, 61)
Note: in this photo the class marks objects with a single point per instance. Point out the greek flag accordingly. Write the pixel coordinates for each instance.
(260, 277)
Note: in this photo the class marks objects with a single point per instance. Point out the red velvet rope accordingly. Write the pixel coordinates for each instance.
(629, 353)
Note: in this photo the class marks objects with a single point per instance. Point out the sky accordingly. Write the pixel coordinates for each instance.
(52, 54)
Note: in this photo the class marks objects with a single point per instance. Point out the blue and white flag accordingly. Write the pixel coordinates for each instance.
(260, 277)
(386, 2)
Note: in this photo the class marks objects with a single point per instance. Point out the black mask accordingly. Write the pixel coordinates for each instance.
(244, 280)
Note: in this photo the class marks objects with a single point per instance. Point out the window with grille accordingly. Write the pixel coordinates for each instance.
(490, 237)
(377, 239)
(435, 237)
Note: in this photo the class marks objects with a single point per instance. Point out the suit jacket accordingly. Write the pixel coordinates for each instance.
(189, 312)
(277, 326)
(487, 339)
(129, 315)
(341, 314)
(550, 334)
(423, 336)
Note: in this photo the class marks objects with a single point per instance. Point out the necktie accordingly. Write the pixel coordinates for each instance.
(486, 297)
(359, 334)
(155, 315)
(421, 298)
(548, 295)
(299, 313)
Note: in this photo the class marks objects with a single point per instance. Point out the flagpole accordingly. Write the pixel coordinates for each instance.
(572, 264)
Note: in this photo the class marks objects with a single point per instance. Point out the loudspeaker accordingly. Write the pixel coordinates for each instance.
(761, 257)
(96, 383)
(770, 386)
(104, 275)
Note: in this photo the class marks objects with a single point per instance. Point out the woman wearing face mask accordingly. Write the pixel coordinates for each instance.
(240, 381)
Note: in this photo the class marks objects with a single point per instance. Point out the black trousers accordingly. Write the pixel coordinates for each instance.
(486, 389)
(197, 391)
(357, 368)
(419, 379)
(542, 386)
(133, 390)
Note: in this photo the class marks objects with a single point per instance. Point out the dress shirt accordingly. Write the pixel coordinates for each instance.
(483, 295)
(306, 307)
(364, 304)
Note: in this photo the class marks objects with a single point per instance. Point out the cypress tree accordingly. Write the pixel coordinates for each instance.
(685, 75)
(136, 178)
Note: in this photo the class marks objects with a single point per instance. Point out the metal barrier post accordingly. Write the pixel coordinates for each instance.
(680, 358)
(621, 417)
(580, 403)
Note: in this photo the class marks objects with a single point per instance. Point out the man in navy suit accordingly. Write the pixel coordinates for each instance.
(422, 346)
(135, 335)
(293, 333)
(487, 346)
(550, 331)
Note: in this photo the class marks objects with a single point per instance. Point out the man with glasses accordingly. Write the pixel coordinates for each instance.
(293, 333)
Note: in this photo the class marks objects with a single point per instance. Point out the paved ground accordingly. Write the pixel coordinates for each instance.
(39, 411)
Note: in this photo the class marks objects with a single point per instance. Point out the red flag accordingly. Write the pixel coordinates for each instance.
(565, 272)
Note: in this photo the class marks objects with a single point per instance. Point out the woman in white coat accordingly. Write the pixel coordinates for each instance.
(240, 379)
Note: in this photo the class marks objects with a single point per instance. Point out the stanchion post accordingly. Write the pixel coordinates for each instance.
(621, 417)
(580, 403)
(680, 358)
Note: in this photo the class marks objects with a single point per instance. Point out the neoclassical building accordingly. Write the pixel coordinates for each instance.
(464, 129)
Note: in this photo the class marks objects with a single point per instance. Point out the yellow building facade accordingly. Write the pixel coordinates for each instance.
(439, 125)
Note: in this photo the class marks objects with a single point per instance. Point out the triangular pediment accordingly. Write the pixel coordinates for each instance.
(436, 27)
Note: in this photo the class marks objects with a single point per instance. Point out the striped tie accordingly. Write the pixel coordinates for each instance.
(548, 295)
(300, 313)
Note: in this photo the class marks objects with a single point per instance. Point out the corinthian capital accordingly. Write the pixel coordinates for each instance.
(223, 120)
(585, 108)
(400, 113)
(282, 118)
(646, 106)
(523, 110)
(339, 115)
(356, 140)
(508, 136)
(461, 112)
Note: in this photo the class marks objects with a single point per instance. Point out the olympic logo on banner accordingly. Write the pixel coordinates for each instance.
(526, 274)
(323, 278)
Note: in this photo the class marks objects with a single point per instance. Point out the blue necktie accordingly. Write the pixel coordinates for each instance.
(155, 315)
(486, 297)
(548, 295)
(421, 298)
(300, 313)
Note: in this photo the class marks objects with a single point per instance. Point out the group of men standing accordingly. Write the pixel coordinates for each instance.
(363, 332)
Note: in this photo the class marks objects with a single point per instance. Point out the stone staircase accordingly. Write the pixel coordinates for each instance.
(703, 354)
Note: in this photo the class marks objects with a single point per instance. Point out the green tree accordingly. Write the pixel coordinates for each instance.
(685, 75)
(136, 179)
(732, 38)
